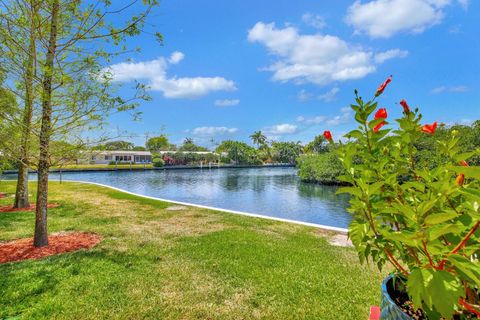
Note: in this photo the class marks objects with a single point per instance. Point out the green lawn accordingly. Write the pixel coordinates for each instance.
(193, 264)
(103, 166)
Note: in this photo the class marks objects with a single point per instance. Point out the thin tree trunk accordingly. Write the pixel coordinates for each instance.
(41, 233)
(21, 194)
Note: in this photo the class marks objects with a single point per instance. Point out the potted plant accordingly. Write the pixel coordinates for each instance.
(423, 221)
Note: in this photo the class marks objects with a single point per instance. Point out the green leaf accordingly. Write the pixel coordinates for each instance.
(468, 268)
(470, 172)
(417, 284)
(359, 118)
(473, 194)
(357, 134)
(373, 123)
(438, 218)
(435, 289)
(402, 236)
(374, 187)
(351, 190)
(464, 156)
(434, 232)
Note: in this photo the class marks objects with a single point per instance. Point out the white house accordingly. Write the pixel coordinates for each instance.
(127, 156)
(106, 157)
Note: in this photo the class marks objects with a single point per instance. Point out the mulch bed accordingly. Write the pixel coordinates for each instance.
(23, 249)
(31, 208)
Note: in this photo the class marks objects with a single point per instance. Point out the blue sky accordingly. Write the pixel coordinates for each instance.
(289, 68)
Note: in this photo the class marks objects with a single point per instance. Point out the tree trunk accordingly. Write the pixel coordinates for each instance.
(21, 193)
(41, 233)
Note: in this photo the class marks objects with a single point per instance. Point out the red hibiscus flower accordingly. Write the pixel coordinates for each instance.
(430, 128)
(328, 135)
(383, 86)
(404, 104)
(381, 113)
(378, 126)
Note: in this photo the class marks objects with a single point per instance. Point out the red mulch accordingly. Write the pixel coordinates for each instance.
(23, 249)
(31, 208)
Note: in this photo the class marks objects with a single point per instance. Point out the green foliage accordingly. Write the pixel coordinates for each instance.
(116, 145)
(238, 152)
(286, 152)
(420, 218)
(324, 168)
(318, 145)
(189, 145)
(158, 162)
(259, 139)
(188, 158)
(159, 143)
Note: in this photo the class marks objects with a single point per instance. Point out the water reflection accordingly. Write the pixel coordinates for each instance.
(273, 192)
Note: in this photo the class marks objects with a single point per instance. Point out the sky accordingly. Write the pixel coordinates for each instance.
(289, 68)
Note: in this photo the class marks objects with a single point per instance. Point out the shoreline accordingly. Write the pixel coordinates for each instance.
(136, 168)
(248, 214)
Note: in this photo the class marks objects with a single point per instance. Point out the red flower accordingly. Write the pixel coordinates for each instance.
(381, 113)
(383, 86)
(404, 104)
(328, 135)
(378, 126)
(460, 179)
(464, 163)
(430, 128)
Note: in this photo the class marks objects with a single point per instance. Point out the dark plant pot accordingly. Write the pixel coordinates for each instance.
(389, 309)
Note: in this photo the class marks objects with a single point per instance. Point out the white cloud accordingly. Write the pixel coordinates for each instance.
(303, 95)
(155, 74)
(213, 131)
(384, 18)
(320, 59)
(227, 102)
(464, 3)
(452, 89)
(344, 116)
(330, 95)
(280, 129)
(313, 120)
(390, 54)
(176, 57)
(314, 20)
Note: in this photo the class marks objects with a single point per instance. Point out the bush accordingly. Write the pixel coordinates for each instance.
(322, 168)
(423, 221)
(158, 162)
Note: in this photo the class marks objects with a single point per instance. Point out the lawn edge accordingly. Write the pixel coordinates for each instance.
(247, 214)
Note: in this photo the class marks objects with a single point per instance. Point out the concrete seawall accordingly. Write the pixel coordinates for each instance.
(280, 165)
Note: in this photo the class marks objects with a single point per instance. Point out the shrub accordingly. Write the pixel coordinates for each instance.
(322, 168)
(158, 162)
(426, 224)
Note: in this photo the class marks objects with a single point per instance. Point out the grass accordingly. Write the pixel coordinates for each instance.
(102, 166)
(155, 263)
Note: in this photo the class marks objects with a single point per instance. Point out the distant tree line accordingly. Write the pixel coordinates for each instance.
(320, 165)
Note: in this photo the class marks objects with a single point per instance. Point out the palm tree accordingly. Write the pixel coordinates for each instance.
(188, 141)
(259, 139)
